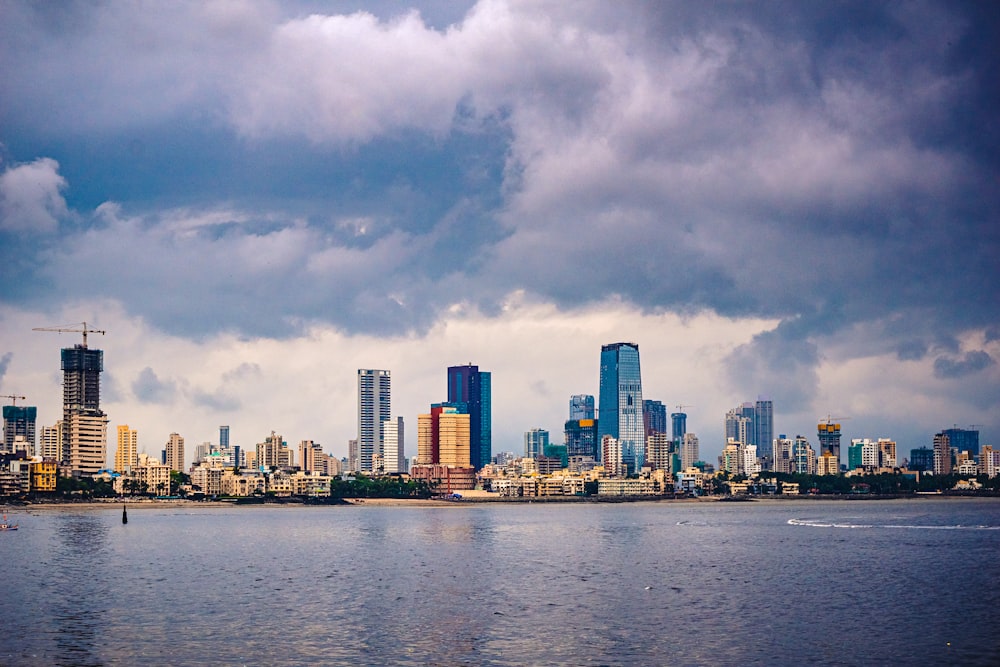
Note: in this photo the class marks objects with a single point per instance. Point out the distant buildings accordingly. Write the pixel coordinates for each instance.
(580, 437)
(753, 424)
(654, 417)
(942, 454)
(620, 404)
(689, 450)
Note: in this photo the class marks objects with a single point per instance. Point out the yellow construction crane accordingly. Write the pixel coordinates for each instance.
(13, 399)
(65, 329)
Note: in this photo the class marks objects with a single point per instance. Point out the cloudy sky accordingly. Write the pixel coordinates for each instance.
(795, 200)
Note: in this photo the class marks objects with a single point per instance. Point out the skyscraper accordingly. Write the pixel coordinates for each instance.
(829, 439)
(580, 437)
(689, 450)
(764, 424)
(678, 426)
(535, 442)
(173, 453)
(654, 417)
(964, 440)
(942, 454)
(374, 408)
(468, 385)
(19, 422)
(85, 426)
(620, 403)
(393, 445)
(581, 406)
(127, 454)
(224, 438)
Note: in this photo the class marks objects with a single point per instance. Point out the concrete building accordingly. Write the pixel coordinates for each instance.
(942, 454)
(173, 453)
(393, 434)
(611, 457)
(660, 451)
(273, 453)
(580, 437)
(829, 440)
(827, 464)
(374, 409)
(85, 426)
(127, 454)
(581, 406)
(19, 424)
(689, 450)
(50, 443)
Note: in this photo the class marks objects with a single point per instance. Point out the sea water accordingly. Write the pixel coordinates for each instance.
(906, 582)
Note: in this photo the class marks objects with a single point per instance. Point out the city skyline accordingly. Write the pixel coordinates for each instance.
(791, 201)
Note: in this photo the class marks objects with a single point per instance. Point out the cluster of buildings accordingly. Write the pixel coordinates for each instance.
(620, 444)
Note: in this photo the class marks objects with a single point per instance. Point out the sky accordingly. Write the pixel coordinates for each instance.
(790, 200)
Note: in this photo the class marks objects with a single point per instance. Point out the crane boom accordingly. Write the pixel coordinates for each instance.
(65, 329)
(13, 399)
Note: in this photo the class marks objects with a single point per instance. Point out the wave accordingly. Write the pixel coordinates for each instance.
(819, 523)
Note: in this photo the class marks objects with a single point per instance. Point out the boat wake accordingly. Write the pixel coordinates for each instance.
(819, 523)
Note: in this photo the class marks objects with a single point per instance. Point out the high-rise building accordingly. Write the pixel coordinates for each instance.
(85, 426)
(678, 426)
(374, 409)
(961, 439)
(473, 387)
(580, 437)
(784, 459)
(942, 454)
(273, 453)
(659, 452)
(535, 442)
(689, 450)
(921, 459)
(393, 447)
(620, 403)
(127, 454)
(223, 438)
(886, 453)
(51, 443)
(863, 453)
(173, 453)
(581, 406)
(18, 424)
(310, 456)
(611, 456)
(443, 436)
(764, 425)
(654, 417)
(829, 439)
(803, 456)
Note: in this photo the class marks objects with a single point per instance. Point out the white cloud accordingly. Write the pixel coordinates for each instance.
(31, 197)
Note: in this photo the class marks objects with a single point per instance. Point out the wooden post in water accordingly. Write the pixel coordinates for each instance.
(124, 514)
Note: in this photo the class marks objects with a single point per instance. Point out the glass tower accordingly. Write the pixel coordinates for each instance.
(764, 424)
(468, 385)
(581, 406)
(620, 402)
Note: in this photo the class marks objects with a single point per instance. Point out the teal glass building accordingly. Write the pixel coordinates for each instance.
(620, 403)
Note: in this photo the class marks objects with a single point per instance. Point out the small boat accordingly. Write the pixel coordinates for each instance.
(7, 526)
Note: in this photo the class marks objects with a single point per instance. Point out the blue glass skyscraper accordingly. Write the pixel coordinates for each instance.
(467, 384)
(620, 402)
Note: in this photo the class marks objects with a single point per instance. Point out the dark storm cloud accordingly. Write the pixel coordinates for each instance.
(969, 363)
(822, 165)
(149, 388)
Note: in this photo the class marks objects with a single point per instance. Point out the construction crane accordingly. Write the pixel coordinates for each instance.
(65, 329)
(13, 399)
(680, 408)
(832, 420)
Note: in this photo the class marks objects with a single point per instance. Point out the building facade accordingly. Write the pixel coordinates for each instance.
(620, 402)
(828, 434)
(173, 453)
(581, 406)
(127, 454)
(19, 425)
(374, 409)
(535, 442)
(473, 387)
(85, 426)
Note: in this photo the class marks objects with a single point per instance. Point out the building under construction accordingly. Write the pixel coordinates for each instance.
(85, 426)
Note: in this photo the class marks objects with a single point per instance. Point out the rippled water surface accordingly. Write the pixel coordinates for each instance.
(795, 582)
